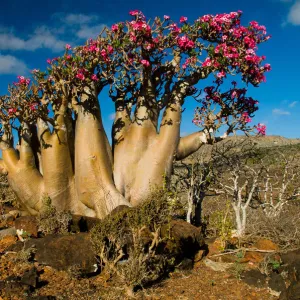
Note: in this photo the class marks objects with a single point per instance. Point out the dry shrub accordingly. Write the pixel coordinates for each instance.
(129, 242)
(284, 229)
(7, 196)
(53, 221)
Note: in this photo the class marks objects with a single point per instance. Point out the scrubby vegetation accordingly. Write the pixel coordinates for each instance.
(131, 243)
(53, 221)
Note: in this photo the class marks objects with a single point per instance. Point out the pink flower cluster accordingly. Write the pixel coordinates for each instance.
(258, 27)
(183, 19)
(134, 12)
(22, 81)
(185, 43)
(189, 61)
(245, 117)
(218, 21)
(261, 128)
(175, 29)
(12, 111)
(141, 26)
(33, 106)
(115, 27)
(145, 62)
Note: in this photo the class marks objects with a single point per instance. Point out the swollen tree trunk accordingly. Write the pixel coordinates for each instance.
(76, 167)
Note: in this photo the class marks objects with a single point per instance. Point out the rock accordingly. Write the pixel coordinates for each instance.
(214, 247)
(82, 223)
(6, 232)
(217, 266)
(12, 287)
(292, 293)
(291, 263)
(64, 252)
(265, 244)
(29, 224)
(254, 277)
(276, 283)
(253, 257)
(185, 241)
(30, 278)
(185, 264)
(6, 242)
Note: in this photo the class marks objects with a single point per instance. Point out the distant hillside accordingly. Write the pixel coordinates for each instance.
(268, 141)
(260, 141)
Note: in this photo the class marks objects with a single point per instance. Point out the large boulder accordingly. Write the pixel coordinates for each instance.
(63, 252)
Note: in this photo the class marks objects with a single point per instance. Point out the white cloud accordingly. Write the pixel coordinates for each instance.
(11, 65)
(87, 32)
(294, 14)
(280, 112)
(293, 104)
(79, 19)
(68, 28)
(42, 37)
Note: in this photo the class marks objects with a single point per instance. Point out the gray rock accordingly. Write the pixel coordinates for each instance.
(7, 232)
(64, 252)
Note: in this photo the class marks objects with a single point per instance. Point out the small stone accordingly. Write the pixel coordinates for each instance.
(255, 278)
(28, 224)
(30, 278)
(265, 244)
(186, 264)
(276, 283)
(6, 232)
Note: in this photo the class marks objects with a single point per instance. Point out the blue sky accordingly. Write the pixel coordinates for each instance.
(32, 31)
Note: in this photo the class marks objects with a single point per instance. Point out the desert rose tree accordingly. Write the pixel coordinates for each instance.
(148, 68)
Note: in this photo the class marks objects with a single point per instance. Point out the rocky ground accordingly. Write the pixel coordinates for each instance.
(65, 267)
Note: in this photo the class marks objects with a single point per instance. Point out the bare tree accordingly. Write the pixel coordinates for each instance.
(280, 184)
(237, 177)
(193, 177)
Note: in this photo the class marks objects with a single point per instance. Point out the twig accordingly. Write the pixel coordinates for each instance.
(245, 250)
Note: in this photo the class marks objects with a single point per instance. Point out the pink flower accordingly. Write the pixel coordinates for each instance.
(183, 19)
(23, 81)
(134, 12)
(12, 111)
(49, 61)
(33, 106)
(207, 62)
(145, 62)
(267, 67)
(94, 77)
(68, 47)
(221, 74)
(185, 43)
(166, 17)
(114, 27)
(261, 128)
(110, 49)
(245, 117)
(80, 76)
(35, 71)
(205, 18)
